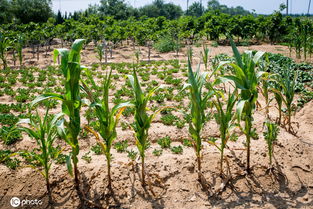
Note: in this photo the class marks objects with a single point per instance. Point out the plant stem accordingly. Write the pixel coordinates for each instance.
(109, 174)
(199, 164)
(248, 153)
(48, 189)
(289, 119)
(248, 139)
(76, 177)
(143, 175)
(221, 163)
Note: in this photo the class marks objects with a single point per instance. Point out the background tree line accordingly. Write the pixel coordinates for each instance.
(25, 11)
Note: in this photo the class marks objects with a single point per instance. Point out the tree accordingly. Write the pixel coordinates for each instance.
(213, 5)
(159, 8)
(6, 13)
(116, 8)
(196, 9)
(32, 10)
(59, 18)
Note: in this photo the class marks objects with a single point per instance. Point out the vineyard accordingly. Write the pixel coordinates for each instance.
(209, 111)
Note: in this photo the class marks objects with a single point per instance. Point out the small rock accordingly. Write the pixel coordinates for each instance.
(185, 189)
(193, 198)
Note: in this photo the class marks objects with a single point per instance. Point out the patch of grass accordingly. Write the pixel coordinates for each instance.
(166, 44)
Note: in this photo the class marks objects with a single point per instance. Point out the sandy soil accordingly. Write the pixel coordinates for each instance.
(125, 53)
(173, 178)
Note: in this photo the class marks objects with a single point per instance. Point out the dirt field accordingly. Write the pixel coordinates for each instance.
(173, 177)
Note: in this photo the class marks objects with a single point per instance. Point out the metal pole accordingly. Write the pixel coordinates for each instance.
(187, 6)
(309, 7)
(287, 7)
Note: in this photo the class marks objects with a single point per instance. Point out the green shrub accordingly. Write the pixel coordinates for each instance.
(166, 44)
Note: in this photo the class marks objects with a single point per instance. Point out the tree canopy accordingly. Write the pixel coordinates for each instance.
(215, 5)
(159, 8)
(25, 11)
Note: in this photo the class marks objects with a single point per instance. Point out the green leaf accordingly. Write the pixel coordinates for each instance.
(240, 107)
(236, 53)
(69, 165)
(45, 97)
(236, 80)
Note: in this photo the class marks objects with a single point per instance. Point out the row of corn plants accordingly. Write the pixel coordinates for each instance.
(231, 111)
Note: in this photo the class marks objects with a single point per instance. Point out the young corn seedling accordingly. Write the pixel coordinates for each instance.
(20, 41)
(246, 79)
(107, 118)
(5, 46)
(198, 99)
(266, 79)
(225, 119)
(287, 84)
(205, 56)
(278, 98)
(69, 128)
(44, 131)
(137, 55)
(142, 118)
(270, 136)
(100, 52)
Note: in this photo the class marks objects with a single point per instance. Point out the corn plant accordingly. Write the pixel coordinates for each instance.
(278, 98)
(107, 118)
(205, 56)
(5, 45)
(246, 78)
(43, 130)
(190, 54)
(287, 84)
(100, 51)
(225, 118)
(69, 129)
(137, 55)
(142, 118)
(198, 99)
(19, 48)
(266, 80)
(270, 135)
